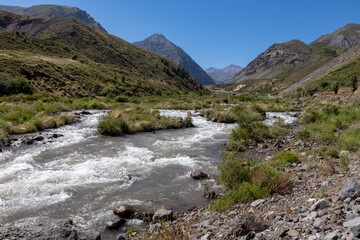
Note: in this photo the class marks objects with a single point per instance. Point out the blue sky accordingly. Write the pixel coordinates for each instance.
(217, 33)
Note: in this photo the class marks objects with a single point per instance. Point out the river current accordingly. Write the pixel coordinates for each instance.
(83, 176)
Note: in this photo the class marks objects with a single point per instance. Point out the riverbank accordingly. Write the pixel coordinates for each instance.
(324, 203)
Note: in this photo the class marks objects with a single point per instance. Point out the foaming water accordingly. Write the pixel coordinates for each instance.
(83, 176)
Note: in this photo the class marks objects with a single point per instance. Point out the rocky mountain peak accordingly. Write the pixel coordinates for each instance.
(159, 44)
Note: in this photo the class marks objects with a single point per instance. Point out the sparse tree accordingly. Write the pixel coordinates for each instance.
(354, 83)
(335, 87)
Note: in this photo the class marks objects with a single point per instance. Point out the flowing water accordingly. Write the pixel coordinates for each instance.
(83, 176)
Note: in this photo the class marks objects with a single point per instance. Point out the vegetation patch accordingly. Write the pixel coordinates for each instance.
(137, 119)
(247, 179)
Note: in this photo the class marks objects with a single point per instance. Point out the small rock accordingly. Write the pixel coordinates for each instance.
(85, 113)
(304, 168)
(154, 227)
(344, 153)
(319, 223)
(354, 226)
(197, 174)
(257, 202)
(321, 204)
(351, 216)
(250, 236)
(38, 138)
(115, 225)
(270, 216)
(331, 236)
(350, 190)
(122, 236)
(163, 215)
(280, 232)
(125, 211)
(205, 237)
(293, 233)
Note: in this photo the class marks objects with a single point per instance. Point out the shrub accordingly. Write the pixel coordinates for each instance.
(283, 158)
(309, 116)
(331, 110)
(350, 139)
(121, 99)
(188, 122)
(249, 179)
(234, 170)
(303, 135)
(333, 153)
(113, 126)
(39, 124)
(17, 86)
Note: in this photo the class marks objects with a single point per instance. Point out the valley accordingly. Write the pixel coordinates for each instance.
(101, 138)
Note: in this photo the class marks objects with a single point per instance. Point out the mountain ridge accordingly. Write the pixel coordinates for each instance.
(159, 44)
(223, 75)
(67, 57)
(283, 65)
(54, 11)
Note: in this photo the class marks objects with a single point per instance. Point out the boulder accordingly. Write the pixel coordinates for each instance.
(154, 227)
(163, 215)
(350, 190)
(198, 174)
(319, 223)
(115, 225)
(257, 202)
(125, 211)
(321, 204)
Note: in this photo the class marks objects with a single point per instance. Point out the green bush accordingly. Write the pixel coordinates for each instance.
(113, 126)
(121, 99)
(16, 86)
(309, 116)
(331, 110)
(284, 157)
(39, 124)
(234, 170)
(249, 179)
(350, 139)
(303, 134)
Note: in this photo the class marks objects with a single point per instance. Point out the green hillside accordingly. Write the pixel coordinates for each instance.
(69, 58)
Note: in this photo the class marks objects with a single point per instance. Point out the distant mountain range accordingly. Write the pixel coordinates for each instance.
(160, 44)
(54, 11)
(69, 58)
(291, 65)
(223, 75)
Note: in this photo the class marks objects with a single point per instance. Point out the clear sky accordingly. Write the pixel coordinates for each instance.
(217, 33)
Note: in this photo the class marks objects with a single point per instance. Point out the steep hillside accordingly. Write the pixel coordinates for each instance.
(159, 44)
(67, 57)
(223, 75)
(274, 60)
(347, 36)
(284, 67)
(54, 11)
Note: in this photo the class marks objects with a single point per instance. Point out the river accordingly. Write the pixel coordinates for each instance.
(83, 176)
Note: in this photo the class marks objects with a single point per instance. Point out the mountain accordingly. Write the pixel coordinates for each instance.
(160, 44)
(347, 36)
(68, 58)
(223, 75)
(283, 65)
(54, 11)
